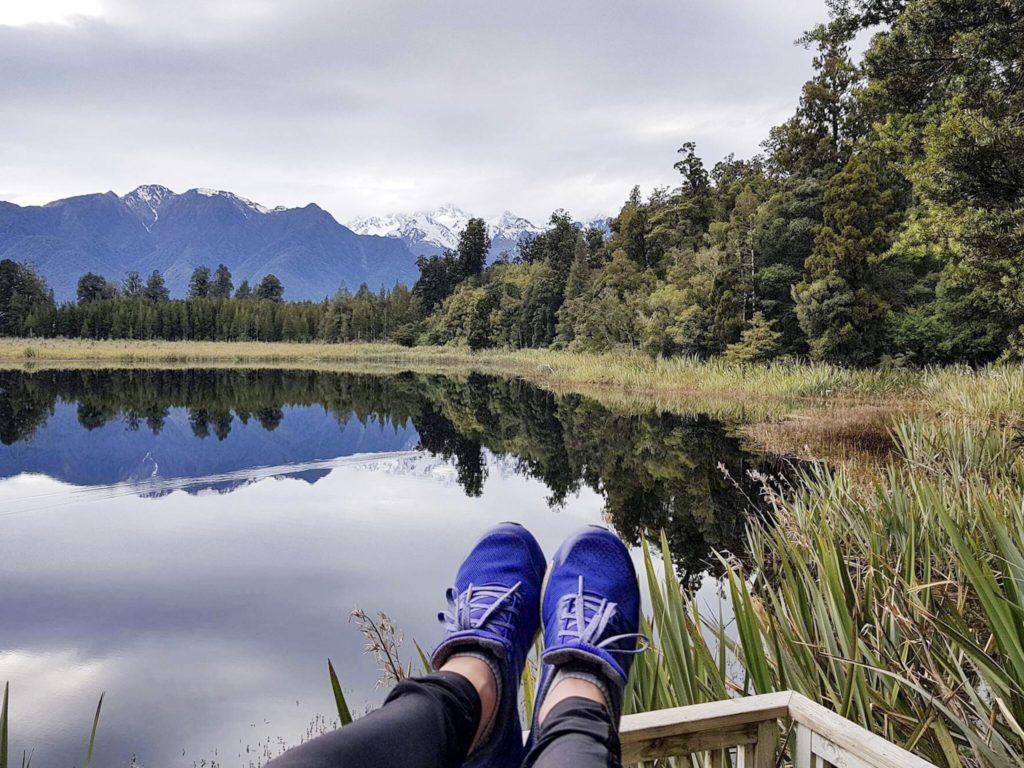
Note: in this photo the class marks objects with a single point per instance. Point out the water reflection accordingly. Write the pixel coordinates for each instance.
(688, 475)
(276, 501)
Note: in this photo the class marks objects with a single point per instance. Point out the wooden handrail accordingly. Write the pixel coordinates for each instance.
(699, 727)
(868, 747)
(750, 724)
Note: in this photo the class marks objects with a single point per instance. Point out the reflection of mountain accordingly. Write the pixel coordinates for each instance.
(114, 453)
(656, 470)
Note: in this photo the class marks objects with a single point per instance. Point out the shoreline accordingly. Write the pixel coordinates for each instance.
(798, 409)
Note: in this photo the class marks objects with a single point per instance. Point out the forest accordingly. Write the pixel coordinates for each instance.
(882, 223)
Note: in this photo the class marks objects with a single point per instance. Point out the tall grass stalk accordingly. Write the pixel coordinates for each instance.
(92, 734)
(3, 727)
(344, 715)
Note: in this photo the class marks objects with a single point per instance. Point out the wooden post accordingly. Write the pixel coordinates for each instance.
(802, 753)
(762, 753)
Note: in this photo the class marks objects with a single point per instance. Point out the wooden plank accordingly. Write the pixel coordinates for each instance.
(873, 750)
(727, 714)
(687, 743)
(767, 746)
(762, 753)
(802, 750)
(834, 755)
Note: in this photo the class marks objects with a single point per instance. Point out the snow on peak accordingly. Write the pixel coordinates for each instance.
(440, 227)
(150, 193)
(242, 202)
(145, 202)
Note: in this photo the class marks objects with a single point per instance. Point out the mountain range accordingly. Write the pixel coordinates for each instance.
(154, 228)
(432, 231)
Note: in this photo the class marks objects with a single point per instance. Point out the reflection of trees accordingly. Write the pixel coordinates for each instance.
(685, 474)
(25, 405)
(654, 470)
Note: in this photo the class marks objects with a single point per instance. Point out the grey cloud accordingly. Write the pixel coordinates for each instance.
(366, 106)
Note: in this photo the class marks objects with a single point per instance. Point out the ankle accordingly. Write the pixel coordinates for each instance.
(481, 676)
(567, 688)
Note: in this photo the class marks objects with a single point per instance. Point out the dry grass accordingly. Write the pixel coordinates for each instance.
(622, 369)
(858, 434)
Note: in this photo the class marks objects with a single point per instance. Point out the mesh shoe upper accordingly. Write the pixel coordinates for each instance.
(493, 608)
(591, 611)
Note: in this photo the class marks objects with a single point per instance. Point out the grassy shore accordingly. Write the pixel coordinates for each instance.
(992, 391)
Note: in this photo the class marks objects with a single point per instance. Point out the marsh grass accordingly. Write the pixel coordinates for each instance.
(898, 603)
(992, 391)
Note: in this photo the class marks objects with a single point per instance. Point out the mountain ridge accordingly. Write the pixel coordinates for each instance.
(153, 227)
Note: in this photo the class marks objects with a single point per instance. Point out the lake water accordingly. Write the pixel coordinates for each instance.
(192, 542)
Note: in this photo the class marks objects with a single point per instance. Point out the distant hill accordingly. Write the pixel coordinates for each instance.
(155, 228)
(431, 232)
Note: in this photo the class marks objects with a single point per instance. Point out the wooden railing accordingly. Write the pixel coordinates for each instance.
(747, 731)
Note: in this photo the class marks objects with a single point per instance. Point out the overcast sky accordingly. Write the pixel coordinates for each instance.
(374, 106)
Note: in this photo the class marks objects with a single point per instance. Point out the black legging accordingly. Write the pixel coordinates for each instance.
(430, 722)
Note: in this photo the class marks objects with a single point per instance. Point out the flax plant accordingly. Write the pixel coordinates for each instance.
(900, 603)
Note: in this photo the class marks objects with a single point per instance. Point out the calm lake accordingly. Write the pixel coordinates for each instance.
(192, 542)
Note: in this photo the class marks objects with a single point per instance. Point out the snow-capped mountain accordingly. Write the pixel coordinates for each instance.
(152, 227)
(431, 232)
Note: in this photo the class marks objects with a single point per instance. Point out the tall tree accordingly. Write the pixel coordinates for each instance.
(131, 286)
(819, 137)
(156, 288)
(93, 287)
(438, 277)
(199, 284)
(474, 244)
(24, 299)
(270, 288)
(222, 285)
(244, 291)
(840, 305)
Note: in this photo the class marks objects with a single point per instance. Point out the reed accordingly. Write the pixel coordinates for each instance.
(26, 757)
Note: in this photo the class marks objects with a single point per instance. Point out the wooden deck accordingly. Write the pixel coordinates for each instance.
(745, 732)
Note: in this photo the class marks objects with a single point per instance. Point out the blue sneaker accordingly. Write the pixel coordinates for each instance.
(591, 614)
(494, 613)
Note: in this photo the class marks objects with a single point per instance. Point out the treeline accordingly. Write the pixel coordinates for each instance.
(882, 223)
(213, 311)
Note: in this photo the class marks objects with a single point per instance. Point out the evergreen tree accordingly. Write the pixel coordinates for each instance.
(222, 285)
(132, 285)
(438, 277)
(26, 307)
(156, 288)
(244, 291)
(270, 288)
(758, 343)
(840, 305)
(471, 253)
(93, 287)
(199, 284)
(818, 139)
